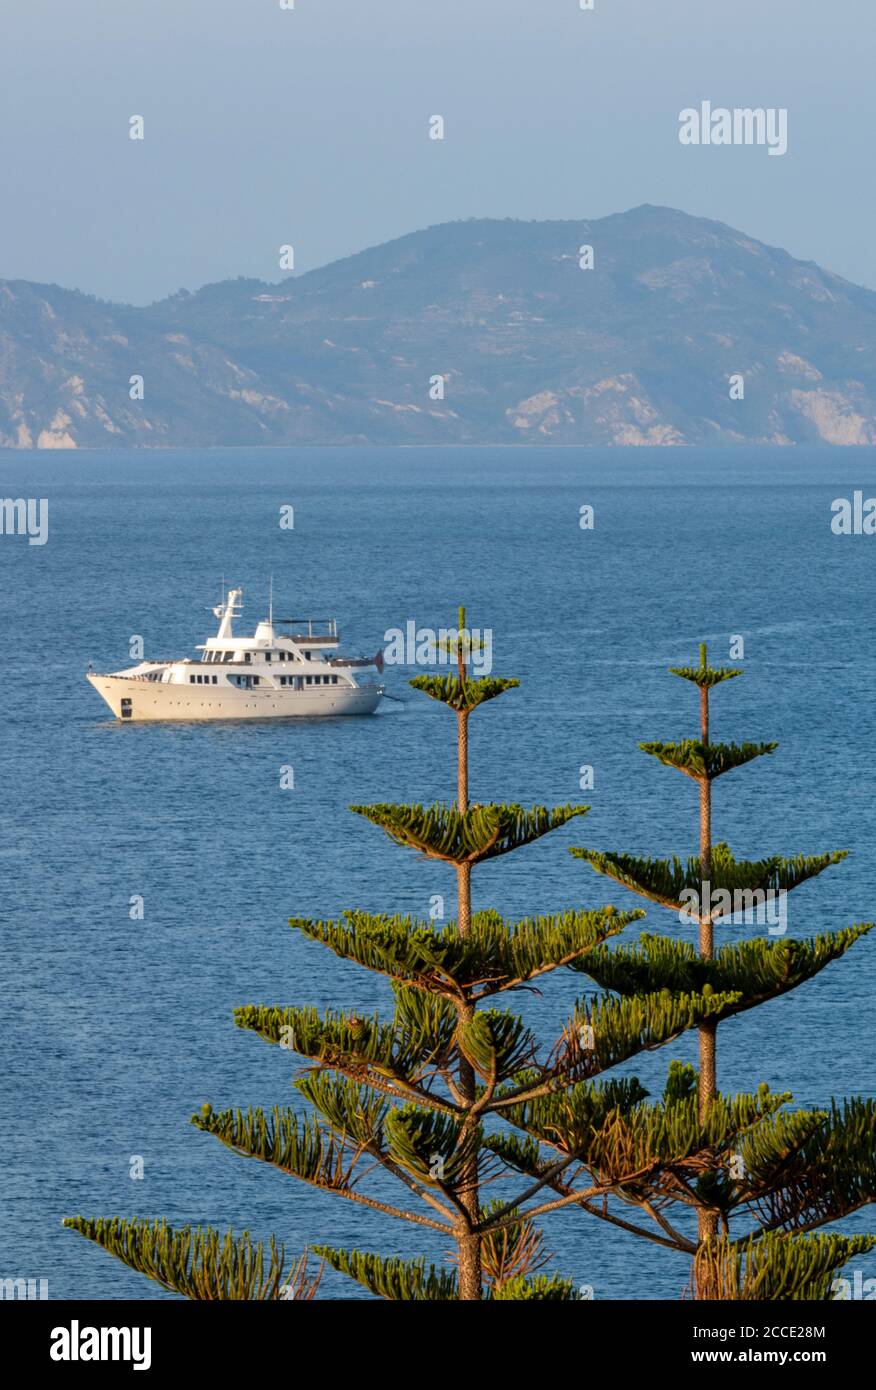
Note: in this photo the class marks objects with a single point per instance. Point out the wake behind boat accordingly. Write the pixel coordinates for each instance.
(271, 675)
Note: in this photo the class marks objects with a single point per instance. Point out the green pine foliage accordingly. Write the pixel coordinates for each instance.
(756, 970)
(668, 881)
(200, 1263)
(778, 1269)
(470, 836)
(783, 1174)
(459, 694)
(701, 760)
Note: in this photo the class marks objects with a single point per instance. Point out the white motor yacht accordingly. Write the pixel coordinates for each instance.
(275, 674)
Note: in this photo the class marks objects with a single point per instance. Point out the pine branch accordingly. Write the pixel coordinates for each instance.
(564, 1121)
(497, 1044)
(300, 1148)
(467, 837)
(706, 677)
(524, 1155)
(493, 957)
(757, 970)
(543, 1288)
(511, 1254)
(366, 1050)
(708, 761)
(405, 1281)
(827, 1177)
(462, 695)
(436, 1150)
(671, 882)
(606, 1032)
(638, 1137)
(200, 1263)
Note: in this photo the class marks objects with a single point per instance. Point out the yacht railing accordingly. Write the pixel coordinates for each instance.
(331, 624)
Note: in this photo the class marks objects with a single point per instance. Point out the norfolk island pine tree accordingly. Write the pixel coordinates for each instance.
(790, 1173)
(411, 1095)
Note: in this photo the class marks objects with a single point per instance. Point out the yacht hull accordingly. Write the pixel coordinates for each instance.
(149, 701)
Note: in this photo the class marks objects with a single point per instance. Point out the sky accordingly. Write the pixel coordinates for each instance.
(309, 127)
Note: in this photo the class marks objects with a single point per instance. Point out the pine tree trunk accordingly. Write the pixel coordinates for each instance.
(707, 1221)
(468, 1244)
(708, 1087)
(463, 871)
(462, 759)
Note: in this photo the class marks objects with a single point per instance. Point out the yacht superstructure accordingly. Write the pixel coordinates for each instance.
(271, 675)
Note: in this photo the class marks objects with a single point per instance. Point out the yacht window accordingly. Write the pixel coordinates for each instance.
(191, 680)
(215, 680)
(247, 656)
(267, 656)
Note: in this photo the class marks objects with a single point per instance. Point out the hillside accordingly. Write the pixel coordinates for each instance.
(533, 349)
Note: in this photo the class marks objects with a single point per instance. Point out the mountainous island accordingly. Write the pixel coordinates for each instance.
(684, 331)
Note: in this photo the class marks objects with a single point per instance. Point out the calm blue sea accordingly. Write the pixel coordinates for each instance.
(116, 1030)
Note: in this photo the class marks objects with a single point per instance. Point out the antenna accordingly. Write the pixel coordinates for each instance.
(271, 602)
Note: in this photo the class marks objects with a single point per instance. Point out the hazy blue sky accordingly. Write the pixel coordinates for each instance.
(309, 126)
